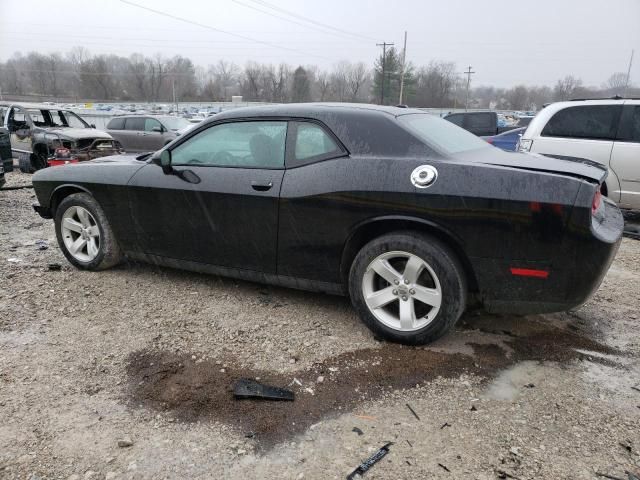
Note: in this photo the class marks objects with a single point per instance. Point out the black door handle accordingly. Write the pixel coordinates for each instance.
(261, 187)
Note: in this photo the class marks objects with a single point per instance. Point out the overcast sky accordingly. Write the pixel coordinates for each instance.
(506, 42)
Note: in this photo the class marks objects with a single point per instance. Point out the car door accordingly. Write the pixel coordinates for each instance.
(151, 138)
(225, 212)
(20, 129)
(625, 157)
(133, 128)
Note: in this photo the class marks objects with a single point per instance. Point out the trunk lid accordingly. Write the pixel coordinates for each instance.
(572, 166)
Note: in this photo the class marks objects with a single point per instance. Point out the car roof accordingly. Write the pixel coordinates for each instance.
(313, 110)
(37, 106)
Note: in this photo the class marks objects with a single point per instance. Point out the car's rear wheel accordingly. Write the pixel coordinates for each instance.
(84, 234)
(408, 287)
(24, 164)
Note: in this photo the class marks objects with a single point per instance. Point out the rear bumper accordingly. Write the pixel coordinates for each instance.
(571, 279)
(42, 211)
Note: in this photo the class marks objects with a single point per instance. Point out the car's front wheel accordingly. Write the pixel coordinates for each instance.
(408, 287)
(84, 234)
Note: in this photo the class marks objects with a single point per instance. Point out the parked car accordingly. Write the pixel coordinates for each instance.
(605, 131)
(6, 157)
(408, 214)
(482, 124)
(37, 131)
(146, 133)
(524, 121)
(507, 140)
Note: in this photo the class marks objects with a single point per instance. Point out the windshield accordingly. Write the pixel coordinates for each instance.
(65, 118)
(175, 123)
(441, 134)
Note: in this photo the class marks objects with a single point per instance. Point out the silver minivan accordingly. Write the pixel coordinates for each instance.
(146, 133)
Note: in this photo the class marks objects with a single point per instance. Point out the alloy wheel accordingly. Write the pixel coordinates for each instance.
(80, 233)
(402, 291)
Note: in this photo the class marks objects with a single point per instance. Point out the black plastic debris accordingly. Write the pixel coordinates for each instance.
(370, 462)
(445, 424)
(529, 385)
(42, 244)
(413, 411)
(358, 431)
(444, 467)
(54, 267)
(247, 388)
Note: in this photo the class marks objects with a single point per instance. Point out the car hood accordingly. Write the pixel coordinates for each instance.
(125, 158)
(572, 166)
(79, 133)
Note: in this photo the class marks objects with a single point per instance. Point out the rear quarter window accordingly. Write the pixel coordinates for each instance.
(595, 122)
(480, 120)
(116, 124)
(136, 123)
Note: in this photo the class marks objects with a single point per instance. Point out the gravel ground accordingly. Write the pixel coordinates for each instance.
(127, 374)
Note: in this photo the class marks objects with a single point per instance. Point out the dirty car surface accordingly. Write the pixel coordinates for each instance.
(411, 216)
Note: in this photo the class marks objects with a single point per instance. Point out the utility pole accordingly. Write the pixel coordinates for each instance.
(384, 46)
(468, 73)
(404, 60)
(173, 87)
(626, 85)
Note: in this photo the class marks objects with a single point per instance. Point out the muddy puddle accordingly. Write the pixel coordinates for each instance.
(194, 389)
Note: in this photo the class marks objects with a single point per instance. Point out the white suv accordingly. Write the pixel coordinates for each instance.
(605, 131)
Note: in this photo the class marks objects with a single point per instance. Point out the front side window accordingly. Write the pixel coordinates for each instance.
(440, 134)
(595, 122)
(312, 142)
(37, 117)
(238, 144)
(73, 120)
(150, 124)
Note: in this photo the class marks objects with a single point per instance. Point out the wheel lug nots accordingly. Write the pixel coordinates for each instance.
(412, 291)
(396, 282)
(406, 282)
(395, 292)
(404, 298)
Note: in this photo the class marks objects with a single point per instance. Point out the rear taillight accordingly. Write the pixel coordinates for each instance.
(597, 201)
(489, 140)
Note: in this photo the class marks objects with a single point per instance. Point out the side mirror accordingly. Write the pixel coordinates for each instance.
(93, 125)
(165, 161)
(157, 129)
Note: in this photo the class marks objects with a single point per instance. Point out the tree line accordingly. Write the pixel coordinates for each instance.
(79, 75)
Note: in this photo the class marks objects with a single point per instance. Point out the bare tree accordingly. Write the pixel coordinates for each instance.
(566, 88)
(616, 83)
(357, 76)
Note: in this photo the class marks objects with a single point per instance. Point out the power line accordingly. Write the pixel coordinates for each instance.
(310, 20)
(384, 46)
(284, 18)
(219, 30)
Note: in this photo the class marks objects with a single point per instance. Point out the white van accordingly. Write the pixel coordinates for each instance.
(605, 131)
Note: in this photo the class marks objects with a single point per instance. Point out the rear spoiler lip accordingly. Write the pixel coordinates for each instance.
(586, 161)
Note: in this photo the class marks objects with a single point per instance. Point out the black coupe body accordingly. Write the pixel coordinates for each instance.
(348, 199)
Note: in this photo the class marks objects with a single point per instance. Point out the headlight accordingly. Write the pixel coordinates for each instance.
(524, 145)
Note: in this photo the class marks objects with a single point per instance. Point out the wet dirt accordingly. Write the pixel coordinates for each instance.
(196, 389)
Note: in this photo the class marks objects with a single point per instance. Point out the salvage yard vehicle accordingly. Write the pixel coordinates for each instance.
(146, 133)
(411, 216)
(606, 131)
(37, 131)
(482, 124)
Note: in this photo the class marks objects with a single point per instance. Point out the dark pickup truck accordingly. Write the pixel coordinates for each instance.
(482, 124)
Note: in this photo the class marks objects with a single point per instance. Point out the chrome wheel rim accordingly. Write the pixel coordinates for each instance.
(80, 234)
(402, 291)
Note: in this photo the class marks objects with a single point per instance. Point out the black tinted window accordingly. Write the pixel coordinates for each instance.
(630, 125)
(135, 124)
(456, 119)
(312, 142)
(480, 120)
(594, 121)
(116, 124)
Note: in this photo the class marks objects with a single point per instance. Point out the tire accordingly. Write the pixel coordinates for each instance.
(441, 279)
(100, 250)
(24, 163)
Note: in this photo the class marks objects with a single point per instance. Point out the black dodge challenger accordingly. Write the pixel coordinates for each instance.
(410, 215)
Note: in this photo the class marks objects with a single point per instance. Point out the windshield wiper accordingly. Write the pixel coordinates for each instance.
(144, 156)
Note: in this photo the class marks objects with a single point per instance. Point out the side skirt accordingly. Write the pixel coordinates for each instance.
(240, 274)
